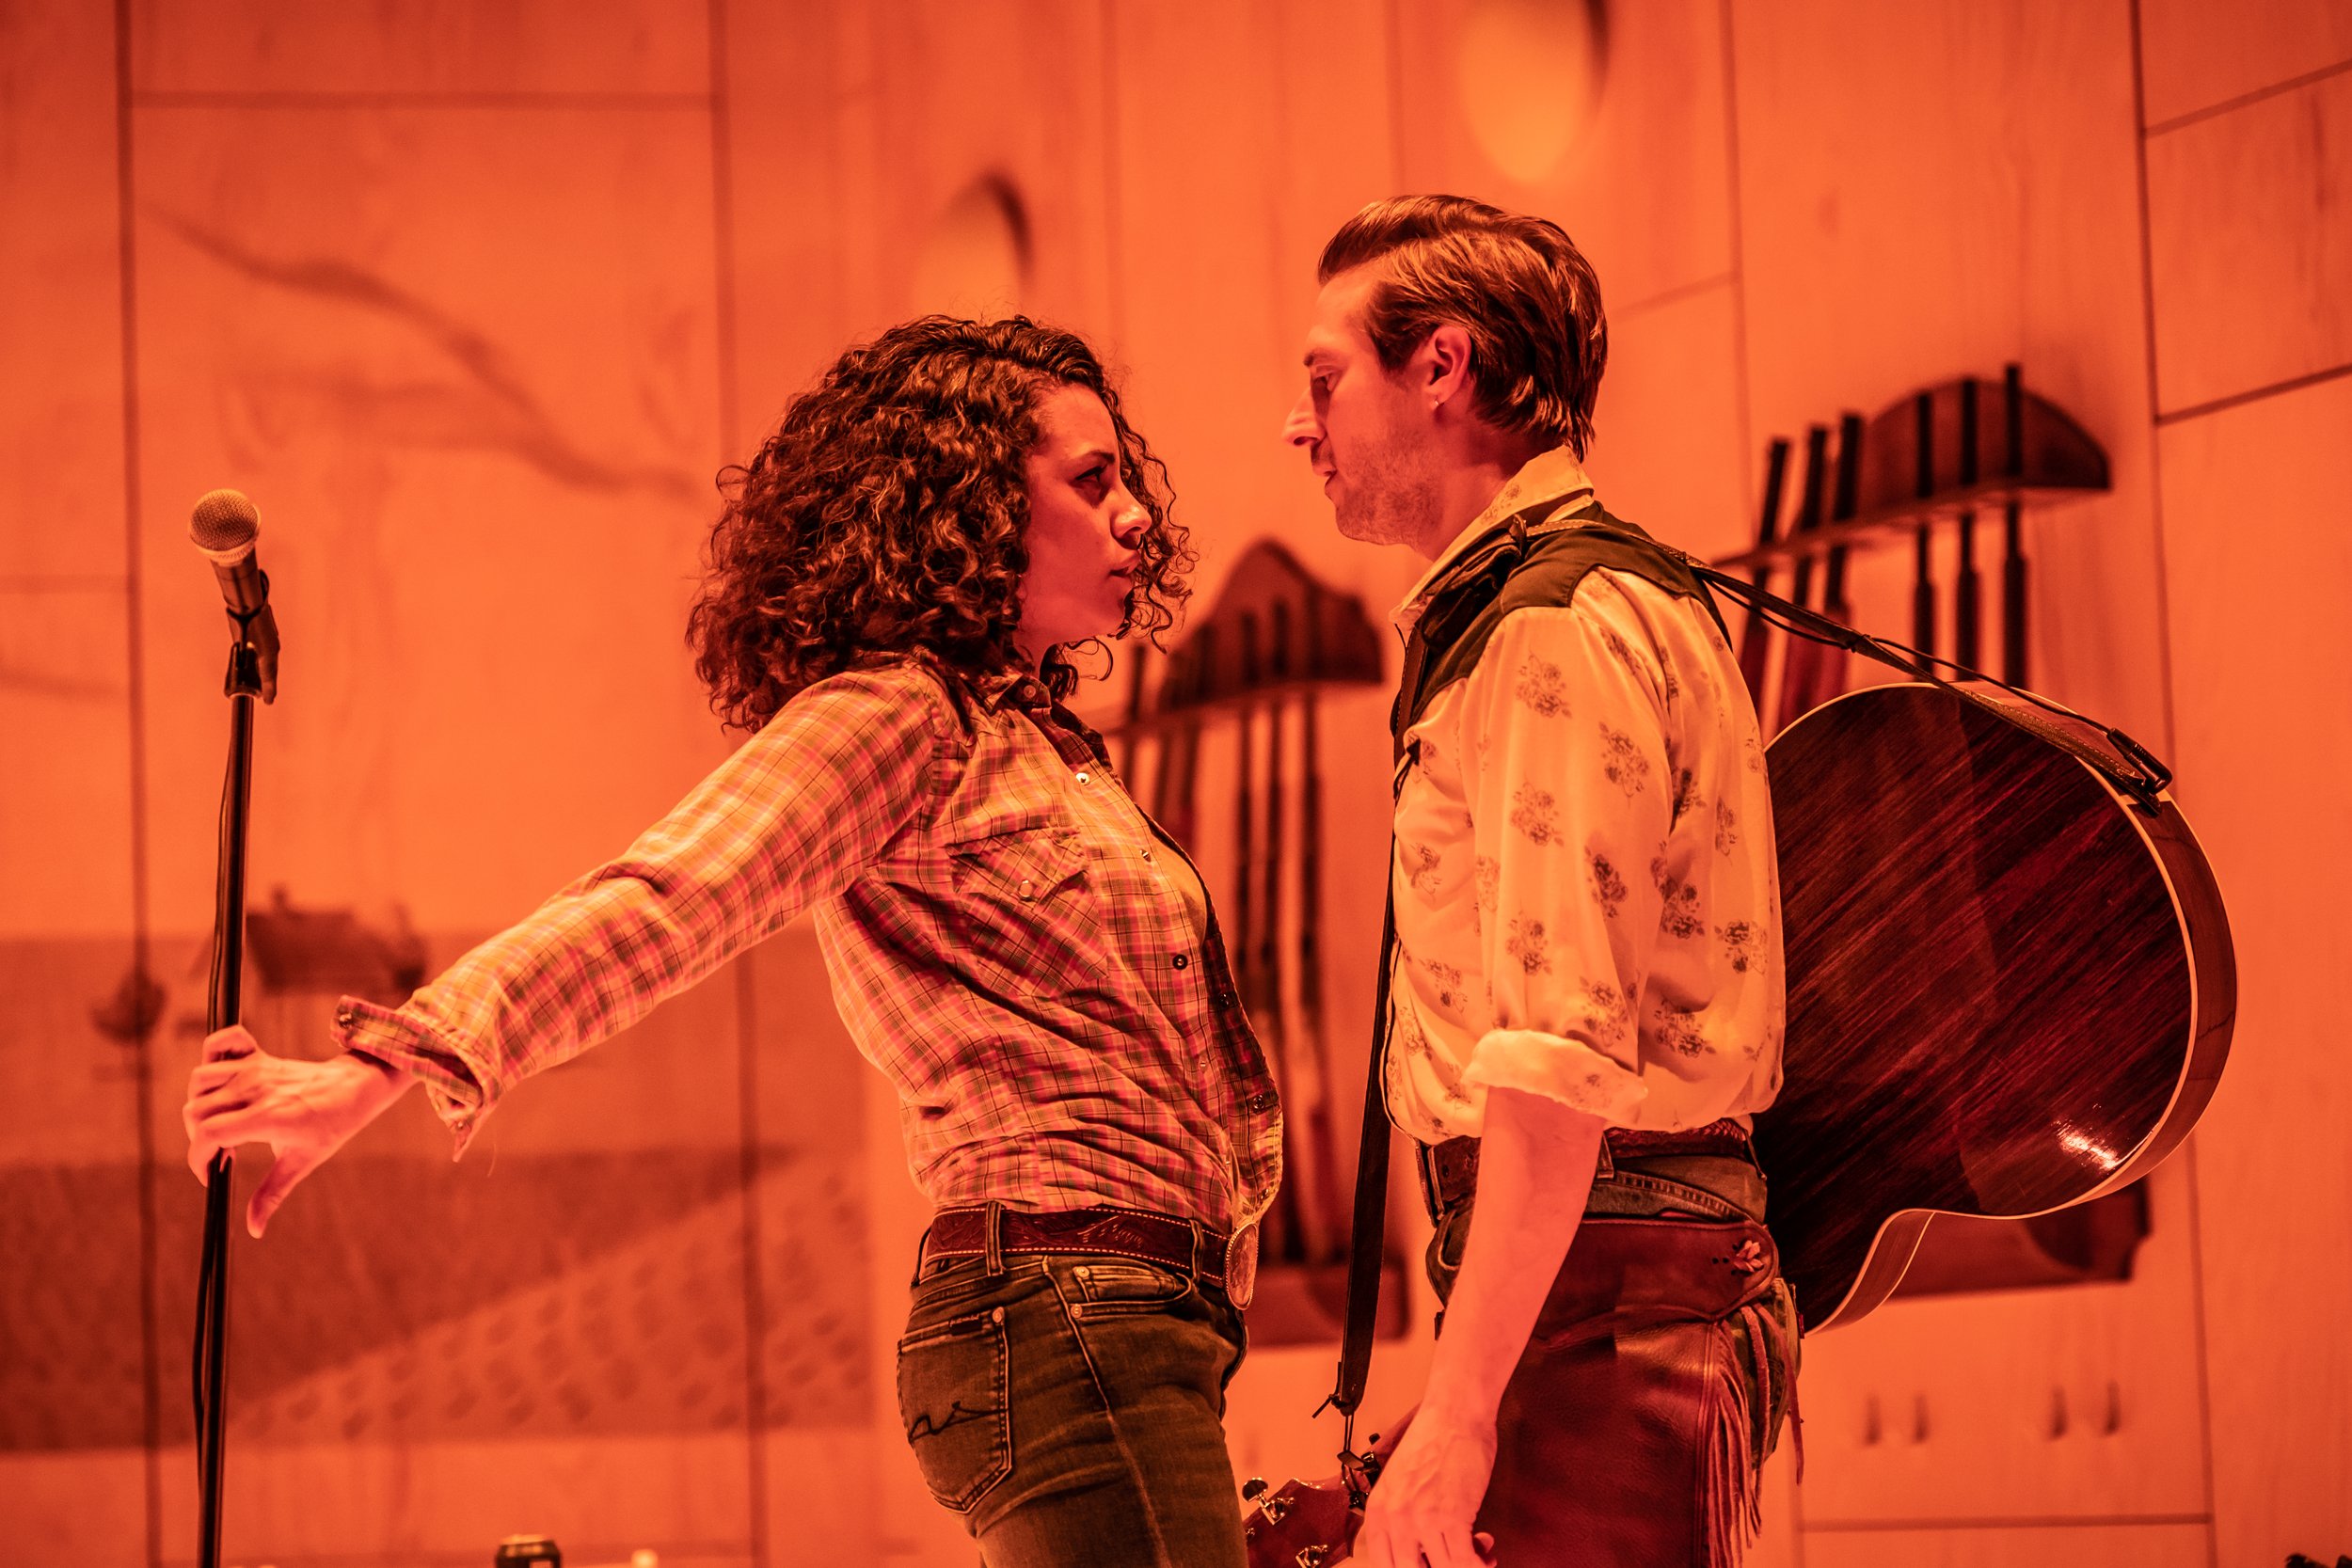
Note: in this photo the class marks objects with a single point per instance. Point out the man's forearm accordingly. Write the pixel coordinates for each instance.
(1536, 1167)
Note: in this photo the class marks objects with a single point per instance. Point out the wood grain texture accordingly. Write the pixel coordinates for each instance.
(2126, 1545)
(473, 394)
(1999, 1002)
(2250, 263)
(60, 296)
(614, 48)
(1932, 190)
(2195, 56)
(2262, 674)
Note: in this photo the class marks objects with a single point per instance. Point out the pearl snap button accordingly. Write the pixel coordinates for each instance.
(1028, 888)
(1083, 777)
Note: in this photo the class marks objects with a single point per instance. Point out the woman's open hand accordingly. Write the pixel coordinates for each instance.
(305, 1111)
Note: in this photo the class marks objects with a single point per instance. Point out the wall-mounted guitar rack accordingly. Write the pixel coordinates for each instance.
(1934, 459)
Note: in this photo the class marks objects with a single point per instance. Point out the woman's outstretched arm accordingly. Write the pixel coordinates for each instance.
(788, 820)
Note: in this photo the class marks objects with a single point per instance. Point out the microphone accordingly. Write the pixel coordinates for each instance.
(225, 527)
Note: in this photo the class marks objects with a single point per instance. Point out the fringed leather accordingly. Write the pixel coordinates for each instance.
(1796, 1426)
(1731, 1495)
(1679, 1330)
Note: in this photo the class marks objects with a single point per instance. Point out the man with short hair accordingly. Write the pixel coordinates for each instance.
(1583, 983)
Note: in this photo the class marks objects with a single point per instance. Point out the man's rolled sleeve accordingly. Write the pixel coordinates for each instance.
(1561, 1067)
(786, 821)
(1567, 777)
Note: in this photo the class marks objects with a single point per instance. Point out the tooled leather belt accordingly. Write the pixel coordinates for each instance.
(1185, 1246)
(1449, 1171)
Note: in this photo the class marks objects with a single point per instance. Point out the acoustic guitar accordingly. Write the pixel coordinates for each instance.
(2010, 990)
(2011, 982)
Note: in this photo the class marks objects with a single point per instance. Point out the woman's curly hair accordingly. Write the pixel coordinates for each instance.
(888, 515)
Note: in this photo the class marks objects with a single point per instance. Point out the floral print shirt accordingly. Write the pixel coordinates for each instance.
(1586, 898)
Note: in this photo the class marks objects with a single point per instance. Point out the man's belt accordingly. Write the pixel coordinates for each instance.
(1185, 1245)
(1449, 1171)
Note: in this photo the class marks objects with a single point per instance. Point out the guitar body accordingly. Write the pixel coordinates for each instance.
(2010, 985)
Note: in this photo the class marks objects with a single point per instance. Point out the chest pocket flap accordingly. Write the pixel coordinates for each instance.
(1021, 865)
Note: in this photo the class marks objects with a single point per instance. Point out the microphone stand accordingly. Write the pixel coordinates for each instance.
(224, 1009)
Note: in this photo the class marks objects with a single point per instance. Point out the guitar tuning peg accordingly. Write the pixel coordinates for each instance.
(1252, 1489)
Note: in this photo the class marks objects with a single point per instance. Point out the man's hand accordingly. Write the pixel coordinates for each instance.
(305, 1111)
(1535, 1172)
(1426, 1500)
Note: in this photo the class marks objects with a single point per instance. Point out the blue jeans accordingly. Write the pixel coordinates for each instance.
(1071, 1409)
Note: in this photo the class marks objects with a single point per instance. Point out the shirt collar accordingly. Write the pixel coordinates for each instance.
(1553, 476)
(1020, 690)
(1023, 693)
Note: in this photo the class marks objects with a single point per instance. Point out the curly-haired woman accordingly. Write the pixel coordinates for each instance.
(1029, 960)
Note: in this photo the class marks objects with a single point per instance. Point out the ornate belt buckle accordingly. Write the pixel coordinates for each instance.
(1241, 1264)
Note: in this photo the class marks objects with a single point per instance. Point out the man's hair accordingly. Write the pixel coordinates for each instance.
(888, 516)
(1517, 285)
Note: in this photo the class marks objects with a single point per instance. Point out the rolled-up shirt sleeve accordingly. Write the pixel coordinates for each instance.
(1566, 776)
(789, 820)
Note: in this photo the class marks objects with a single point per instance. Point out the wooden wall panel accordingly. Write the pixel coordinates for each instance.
(462, 353)
(2117, 1545)
(66, 797)
(1236, 167)
(2253, 498)
(1669, 448)
(2022, 1404)
(936, 94)
(786, 275)
(817, 1215)
(2195, 55)
(1929, 192)
(2251, 260)
(463, 361)
(60, 297)
(64, 639)
(1645, 191)
(623, 47)
(909, 1529)
(69, 1509)
(454, 1504)
(73, 1367)
(72, 1374)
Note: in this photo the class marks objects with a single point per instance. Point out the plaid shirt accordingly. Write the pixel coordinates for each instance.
(1003, 942)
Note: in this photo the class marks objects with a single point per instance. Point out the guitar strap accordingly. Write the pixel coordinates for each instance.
(2115, 755)
(1446, 641)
